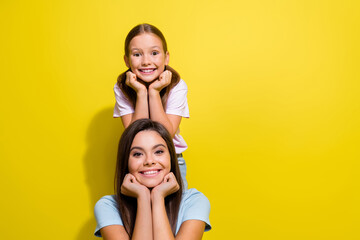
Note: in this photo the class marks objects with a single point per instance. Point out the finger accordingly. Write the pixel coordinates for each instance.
(167, 177)
(168, 74)
(163, 74)
(130, 177)
(171, 175)
(133, 179)
(128, 74)
(126, 177)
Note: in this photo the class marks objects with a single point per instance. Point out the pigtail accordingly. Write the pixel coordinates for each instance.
(128, 91)
(175, 78)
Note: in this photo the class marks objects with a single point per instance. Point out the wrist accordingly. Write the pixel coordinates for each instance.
(153, 92)
(156, 195)
(144, 196)
(141, 93)
(157, 199)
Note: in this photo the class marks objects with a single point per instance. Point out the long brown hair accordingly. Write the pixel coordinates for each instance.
(128, 91)
(127, 206)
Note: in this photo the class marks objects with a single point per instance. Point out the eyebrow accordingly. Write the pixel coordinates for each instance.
(140, 148)
(134, 49)
(135, 148)
(138, 49)
(159, 145)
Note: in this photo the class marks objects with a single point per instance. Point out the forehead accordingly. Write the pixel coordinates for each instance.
(147, 139)
(146, 40)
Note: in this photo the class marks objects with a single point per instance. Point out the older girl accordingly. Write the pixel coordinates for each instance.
(149, 201)
(150, 88)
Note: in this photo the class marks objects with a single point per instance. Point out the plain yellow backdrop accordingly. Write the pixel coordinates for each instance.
(274, 99)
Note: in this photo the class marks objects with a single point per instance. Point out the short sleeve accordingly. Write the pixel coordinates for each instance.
(106, 213)
(177, 101)
(122, 105)
(196, 206)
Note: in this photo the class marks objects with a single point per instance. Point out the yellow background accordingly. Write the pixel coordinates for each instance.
(274, 101)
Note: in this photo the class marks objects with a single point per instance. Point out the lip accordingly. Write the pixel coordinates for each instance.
(147, 71)
(150, 172)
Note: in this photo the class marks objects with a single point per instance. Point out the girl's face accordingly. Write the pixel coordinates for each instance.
(149, 159)
(147, 58)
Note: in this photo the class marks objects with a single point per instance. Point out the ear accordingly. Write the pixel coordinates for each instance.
(167, 58)
(126, 59)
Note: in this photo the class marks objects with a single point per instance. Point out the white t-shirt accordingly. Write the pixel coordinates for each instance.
(176, 105)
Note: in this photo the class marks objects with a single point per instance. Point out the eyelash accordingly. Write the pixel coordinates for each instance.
(139, 54)
(159, 152)
(136, 154)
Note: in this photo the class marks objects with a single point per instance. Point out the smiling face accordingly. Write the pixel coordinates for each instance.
(147, 58)
(149, 159)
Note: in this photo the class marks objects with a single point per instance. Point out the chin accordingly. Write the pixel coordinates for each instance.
(148, 79)
(152, 185)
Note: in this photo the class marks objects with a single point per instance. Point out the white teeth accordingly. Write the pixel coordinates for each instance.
(147, 70)
(149, 172)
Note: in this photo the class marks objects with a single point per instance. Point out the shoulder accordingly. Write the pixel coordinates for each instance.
(107, 200)
(194, 206)
(106, 204)
(117, 89)
(106, 213)
(181, 85)
(192, 196)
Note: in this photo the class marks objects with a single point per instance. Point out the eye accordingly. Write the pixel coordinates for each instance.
(136, 54)
(136, 154)
(158, 152)
(154, 53)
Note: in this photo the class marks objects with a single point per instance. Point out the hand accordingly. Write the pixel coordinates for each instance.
(163, 81)
(167, 187)
(132, 188)
(131, 81)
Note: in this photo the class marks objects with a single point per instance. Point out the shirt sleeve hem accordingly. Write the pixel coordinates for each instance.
(97, 230)
(177, 113)
(207, 223)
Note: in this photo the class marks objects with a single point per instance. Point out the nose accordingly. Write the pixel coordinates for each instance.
(149, 161)
(146, 60)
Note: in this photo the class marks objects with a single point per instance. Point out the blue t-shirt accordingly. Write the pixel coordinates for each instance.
(194, 206)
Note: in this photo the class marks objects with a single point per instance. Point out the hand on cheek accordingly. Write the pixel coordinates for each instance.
(167, 187)
(131, 81)
(132, 188)
(163, 81)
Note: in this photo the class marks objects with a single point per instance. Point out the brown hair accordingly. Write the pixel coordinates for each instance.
(128, 91)
(127, 206)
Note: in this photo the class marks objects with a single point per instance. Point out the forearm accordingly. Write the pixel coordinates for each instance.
(143, 229)
(161, 225)
(141, 107)
(157, 112)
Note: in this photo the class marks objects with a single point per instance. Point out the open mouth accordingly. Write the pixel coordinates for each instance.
(150, 172)
(147, 70)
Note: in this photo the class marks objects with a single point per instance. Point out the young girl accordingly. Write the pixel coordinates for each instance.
(150, 88)
(149, 201)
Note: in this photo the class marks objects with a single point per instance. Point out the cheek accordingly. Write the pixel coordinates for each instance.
(133, 62)
(167, 164)
(161, 61)
(132, 166)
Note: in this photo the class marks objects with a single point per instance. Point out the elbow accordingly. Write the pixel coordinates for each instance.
(172, 132)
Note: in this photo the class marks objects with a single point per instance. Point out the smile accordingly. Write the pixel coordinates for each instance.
(147, 70)
(150, 172)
